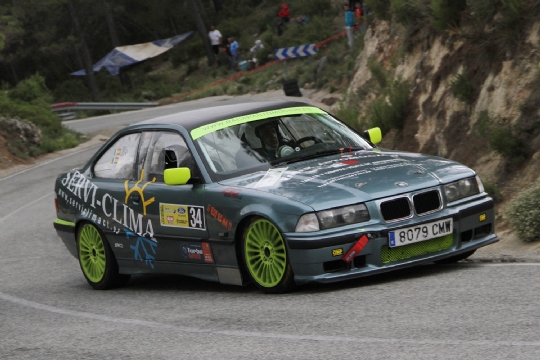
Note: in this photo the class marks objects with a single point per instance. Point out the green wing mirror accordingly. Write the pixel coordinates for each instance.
(177, 176)
(374, 135)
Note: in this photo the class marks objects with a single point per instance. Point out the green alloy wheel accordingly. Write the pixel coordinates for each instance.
(97, 259)
(265, 257)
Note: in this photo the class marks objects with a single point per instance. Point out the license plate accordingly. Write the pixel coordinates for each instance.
(419, 233)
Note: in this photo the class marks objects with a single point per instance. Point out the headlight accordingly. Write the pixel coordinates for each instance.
(462, 189)
(327, 219)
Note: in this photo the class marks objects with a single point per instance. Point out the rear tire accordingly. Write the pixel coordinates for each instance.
(97, 260)
(455, 259)
(265, 257)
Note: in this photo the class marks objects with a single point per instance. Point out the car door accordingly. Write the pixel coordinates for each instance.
(177, 213)
(113, 170)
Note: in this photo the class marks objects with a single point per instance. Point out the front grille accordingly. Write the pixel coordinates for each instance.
(427, 202)
(395, 209)
(389, 254)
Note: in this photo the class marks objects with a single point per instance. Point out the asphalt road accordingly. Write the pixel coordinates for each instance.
(48, 311)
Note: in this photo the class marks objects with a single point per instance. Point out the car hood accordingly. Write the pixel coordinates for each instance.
(347, 178)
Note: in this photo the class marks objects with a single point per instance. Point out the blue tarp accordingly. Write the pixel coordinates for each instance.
(132, 54)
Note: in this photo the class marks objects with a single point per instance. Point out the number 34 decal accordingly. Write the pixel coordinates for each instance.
(185, 216)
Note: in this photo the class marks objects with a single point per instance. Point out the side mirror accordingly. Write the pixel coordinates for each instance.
(374, 135)
(177, 176)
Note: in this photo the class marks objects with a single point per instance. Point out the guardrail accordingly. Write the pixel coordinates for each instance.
(67, 110)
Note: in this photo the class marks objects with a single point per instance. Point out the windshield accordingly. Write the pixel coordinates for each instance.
(257, 145)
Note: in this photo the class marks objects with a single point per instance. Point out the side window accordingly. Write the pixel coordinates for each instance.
(163, 150)
(118, 161)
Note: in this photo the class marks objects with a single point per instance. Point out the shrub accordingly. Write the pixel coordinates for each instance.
(348, 114)
(408, 12)
(505, 140)
(388, 111)
(493, 191)
(381, 8)
(32, 90)
(378, 72)
(446, 13)
(524, 214)
(462, 88)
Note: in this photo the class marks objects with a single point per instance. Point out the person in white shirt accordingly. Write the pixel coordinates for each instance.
(215, 40)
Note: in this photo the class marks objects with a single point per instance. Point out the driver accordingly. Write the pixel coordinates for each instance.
(266, 139)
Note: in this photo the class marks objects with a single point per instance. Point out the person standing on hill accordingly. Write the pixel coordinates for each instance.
(349, 24)
(233, 49)
(284, 17)
(215, 40)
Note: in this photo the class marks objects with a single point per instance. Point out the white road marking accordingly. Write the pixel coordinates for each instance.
(21, 208)
(236, 333)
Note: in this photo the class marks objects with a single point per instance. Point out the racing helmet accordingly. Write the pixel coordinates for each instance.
(252, 133)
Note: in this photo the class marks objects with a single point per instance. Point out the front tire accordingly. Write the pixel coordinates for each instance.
(97, 260)
(265, 257)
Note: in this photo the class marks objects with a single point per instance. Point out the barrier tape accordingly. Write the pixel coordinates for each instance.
(243, 73)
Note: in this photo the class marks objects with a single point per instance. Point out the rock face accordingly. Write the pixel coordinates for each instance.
(437, 122)
(20, 130)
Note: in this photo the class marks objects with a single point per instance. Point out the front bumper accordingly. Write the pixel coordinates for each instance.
(317, 257)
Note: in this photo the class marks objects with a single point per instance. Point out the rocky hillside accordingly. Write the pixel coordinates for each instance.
(503, 99)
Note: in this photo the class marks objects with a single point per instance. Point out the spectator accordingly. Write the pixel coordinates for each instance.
(349, 24)
(258, 46)
(233, 53)
(284, 17)
(358, 13)
(302, 19)
(215, 39)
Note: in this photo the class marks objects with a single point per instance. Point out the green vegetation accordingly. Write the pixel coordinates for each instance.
(30, 100)
(462, 88)
(524, 214)
(388, 111)
(505, 139)
(446, 14)
(493, 190)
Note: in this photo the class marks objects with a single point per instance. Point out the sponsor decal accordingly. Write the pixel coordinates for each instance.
(337, 252)
(401, 184)
(140, 190)
(482, 217)
(219, 217)
(143, 249)
(118, 245)
(185, 216)
(360, 185)
(207, 253)
(355, 249)
(231, 193)
(271, 177)
(80, 193)
(340, 166)
(201, 253)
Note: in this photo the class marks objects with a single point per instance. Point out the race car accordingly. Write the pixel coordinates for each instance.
(273, 193)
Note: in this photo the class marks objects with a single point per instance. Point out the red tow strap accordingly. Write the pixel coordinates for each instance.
(355, 250)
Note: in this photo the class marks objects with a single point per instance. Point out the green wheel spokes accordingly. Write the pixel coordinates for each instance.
(265, 253)
(92, 253)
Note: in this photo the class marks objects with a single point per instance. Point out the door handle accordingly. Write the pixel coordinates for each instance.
(135, 197)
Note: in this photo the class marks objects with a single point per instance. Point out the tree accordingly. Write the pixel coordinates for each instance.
(201, 29)
(86, 58)
(124, 78)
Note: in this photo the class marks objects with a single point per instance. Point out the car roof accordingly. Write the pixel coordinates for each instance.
(192, 119)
